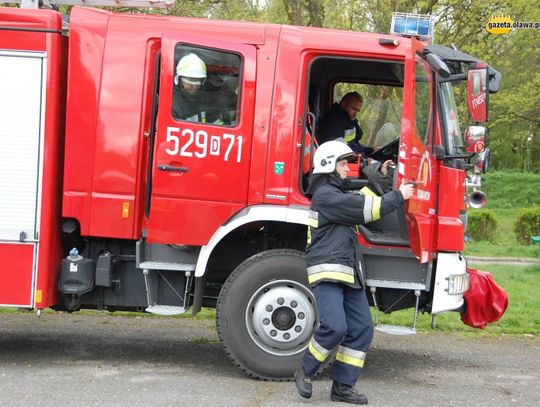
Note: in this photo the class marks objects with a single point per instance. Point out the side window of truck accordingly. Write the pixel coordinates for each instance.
(206, 85)
(422, 101)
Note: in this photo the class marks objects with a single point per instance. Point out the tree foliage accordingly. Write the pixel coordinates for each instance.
(514, 110)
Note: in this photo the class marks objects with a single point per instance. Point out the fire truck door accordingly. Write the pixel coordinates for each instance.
(416, 162)
(202, 147)
(22, 104)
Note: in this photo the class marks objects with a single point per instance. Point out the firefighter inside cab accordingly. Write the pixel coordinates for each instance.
(188, 98)
(202, 96)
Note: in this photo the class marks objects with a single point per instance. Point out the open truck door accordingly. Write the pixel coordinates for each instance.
(416, 161)
(197, 154)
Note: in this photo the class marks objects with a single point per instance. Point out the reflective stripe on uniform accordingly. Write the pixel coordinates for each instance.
(368, 192)
(350, 356)
(318, 351)
(372, 208)
(336, 272)
(313, 219)
(349, 135)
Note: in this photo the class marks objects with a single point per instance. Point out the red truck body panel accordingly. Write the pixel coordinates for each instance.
(121, 189)
(32, 280)
(108, 94)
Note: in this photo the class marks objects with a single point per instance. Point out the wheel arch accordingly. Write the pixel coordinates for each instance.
(263, 215)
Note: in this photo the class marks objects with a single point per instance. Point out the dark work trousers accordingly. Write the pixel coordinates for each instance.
(344, 320)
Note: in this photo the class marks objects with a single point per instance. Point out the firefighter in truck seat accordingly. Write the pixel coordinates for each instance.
(203, 98)
(340, 123)
(337, 281)
(189, 100)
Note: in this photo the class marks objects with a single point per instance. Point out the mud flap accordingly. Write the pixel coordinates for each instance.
(451, 282)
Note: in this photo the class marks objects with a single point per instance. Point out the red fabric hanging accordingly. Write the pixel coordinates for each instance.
(485, 301)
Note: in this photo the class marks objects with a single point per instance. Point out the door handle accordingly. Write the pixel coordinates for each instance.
(166, 167)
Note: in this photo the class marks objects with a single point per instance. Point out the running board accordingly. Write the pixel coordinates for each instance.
(165, 310)
(395, 329)
(151, 278)
(162, 265)
(165, 257)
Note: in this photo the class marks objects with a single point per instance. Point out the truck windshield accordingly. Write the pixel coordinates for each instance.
(449, 111)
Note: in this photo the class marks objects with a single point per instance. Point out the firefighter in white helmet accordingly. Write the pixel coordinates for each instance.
(189, 99)
(337, 281)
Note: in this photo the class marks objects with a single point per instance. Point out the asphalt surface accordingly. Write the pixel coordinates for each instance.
(513, 261)
(104, 360)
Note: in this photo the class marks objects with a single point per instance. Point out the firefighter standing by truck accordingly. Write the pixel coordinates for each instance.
(334, 273)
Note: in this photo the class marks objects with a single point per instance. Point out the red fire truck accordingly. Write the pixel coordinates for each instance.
(109, 201)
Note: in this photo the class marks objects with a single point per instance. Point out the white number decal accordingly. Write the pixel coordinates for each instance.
(229, 137)
(215, 145)
(200, 145)
(239, 153)
(232, 139)
(174, 138)
(184, 151)
(201, 141)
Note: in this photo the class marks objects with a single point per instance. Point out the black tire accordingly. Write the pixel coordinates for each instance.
(266, 314)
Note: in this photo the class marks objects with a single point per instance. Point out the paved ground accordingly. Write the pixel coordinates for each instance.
(82, 360)
(513, 261)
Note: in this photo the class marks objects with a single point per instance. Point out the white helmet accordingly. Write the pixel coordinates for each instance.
(190, 67)
(328, 154)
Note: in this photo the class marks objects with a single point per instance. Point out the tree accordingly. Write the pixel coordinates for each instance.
(515, 112)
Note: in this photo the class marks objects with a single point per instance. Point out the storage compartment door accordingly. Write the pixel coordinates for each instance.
(21, 101)
(16, 274)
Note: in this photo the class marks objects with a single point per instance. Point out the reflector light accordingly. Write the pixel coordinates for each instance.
(458, 283)
(420, 26)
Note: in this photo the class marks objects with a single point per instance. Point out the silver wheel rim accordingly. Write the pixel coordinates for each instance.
(281, 316)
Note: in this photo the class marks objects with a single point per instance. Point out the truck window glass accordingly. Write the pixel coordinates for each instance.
(206, 85)
(422, 101)
(451, 119)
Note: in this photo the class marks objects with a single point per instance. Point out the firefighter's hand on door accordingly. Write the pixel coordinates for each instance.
(386, 165)
(407, 189)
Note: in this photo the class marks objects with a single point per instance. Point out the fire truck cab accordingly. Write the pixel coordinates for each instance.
(112, 199)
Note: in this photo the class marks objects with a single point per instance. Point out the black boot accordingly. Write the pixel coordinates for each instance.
(303, 383)
(348, 394)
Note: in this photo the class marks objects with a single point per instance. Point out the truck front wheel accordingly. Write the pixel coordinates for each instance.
(266, 314)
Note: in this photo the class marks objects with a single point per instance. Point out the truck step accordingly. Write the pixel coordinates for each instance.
(165, 309)
(395, 329)
(163, 265)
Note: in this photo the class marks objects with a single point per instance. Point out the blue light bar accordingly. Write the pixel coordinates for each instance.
(413, 25)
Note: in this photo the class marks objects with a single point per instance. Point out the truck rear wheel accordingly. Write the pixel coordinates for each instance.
(266, 314)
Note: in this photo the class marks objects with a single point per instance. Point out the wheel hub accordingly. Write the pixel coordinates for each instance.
(281, 316)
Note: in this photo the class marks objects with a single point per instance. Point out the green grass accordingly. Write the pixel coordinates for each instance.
(506, 244)
(511, 190)
(507, 193)
(522, 285)
(205, 314)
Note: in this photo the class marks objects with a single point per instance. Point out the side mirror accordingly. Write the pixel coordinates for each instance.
(475, 139)
(477, 94)
(481, 163)
(438, 65)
